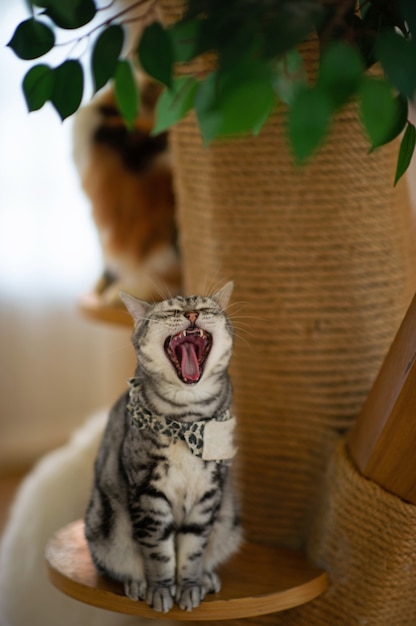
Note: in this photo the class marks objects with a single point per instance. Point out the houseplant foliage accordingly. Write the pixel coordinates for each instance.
(257, 66)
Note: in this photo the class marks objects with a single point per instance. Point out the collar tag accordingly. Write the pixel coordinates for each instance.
(218, 440)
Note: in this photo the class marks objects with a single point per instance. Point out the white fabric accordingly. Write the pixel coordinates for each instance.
(55, 493)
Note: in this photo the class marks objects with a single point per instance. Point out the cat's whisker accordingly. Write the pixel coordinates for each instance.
(247, 320)
(248, 345)
(242, 328)
(123, 348)
(231, 309)
(162, 288)
(211, 283)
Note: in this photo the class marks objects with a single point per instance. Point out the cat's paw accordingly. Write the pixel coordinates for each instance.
(135, 589)
(190, 596)
(211, 582)
(160, 598)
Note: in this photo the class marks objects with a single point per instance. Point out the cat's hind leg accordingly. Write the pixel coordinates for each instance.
(211, 582)
(135, 589)
(113, 550)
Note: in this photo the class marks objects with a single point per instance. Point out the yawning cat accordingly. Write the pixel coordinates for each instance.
(163, 514)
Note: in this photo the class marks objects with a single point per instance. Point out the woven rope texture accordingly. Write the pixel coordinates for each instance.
(323, 263)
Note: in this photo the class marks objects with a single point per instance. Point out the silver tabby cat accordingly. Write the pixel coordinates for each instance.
(163, 514)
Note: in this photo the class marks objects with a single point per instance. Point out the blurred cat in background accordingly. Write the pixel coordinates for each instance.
(127, 175)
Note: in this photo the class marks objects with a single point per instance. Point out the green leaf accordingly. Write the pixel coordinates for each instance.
(290, 75)
(32, 39)
(184, 35)
(235, 42)
(70, 14)
(407, 147)
(378, 108)
(37, 86)
(68, 87)
(155, 53)
(340, 72)
(308, 122)
(126, 92)
(402, 108)
(175, 103)
(398, 58)
(105, 53)
(227, 107)
(408, 8)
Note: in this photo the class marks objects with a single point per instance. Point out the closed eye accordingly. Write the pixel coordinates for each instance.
(164, 315)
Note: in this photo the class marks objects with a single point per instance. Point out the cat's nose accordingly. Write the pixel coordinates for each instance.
(192, 316)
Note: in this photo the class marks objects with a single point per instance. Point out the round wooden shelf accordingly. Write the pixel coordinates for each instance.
(258, 580)
(92, 306)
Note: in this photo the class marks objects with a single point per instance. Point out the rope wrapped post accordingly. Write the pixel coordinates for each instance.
(365, 539)
(323, 263)
(321, 259)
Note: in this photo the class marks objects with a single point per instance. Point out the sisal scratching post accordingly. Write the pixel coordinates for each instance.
(365, 538)
(323, 263)
(321, 259)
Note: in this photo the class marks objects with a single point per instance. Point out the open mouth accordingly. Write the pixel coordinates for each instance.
(188, 351)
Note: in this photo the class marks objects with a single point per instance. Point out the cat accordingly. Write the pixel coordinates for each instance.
(127, 176)
(163, 512)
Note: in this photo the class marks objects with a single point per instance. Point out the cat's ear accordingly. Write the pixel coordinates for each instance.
(138, 309)
(223, 295)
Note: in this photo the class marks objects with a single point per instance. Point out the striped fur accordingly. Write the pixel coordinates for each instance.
(161, 519)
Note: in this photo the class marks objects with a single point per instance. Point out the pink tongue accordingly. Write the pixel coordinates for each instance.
(189, 361)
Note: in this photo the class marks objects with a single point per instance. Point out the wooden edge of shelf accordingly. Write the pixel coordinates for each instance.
(92, 306)
(258, 580)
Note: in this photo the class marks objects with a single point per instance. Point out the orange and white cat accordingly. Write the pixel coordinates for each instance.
(127, 176)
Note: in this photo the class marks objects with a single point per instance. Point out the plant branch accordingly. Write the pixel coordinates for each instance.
(340, 9)
(112, 18)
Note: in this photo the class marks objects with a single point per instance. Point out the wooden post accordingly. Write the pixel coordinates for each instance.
(383, 440)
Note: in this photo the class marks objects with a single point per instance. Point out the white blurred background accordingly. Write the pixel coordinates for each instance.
(56, 368)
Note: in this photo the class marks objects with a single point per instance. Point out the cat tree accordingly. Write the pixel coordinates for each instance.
(323, 264)
(325, 274)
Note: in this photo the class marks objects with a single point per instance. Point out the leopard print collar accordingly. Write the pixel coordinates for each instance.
(211, 440)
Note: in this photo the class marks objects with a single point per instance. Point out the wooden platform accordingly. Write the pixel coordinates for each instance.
(259, 580)
(93, 307)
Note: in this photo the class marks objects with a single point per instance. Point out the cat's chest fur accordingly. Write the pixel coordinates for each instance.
(185, 480)
(168, 467)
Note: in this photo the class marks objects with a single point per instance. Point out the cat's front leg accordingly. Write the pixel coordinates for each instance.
(191, 583)
(159, 563)
(154, 530)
